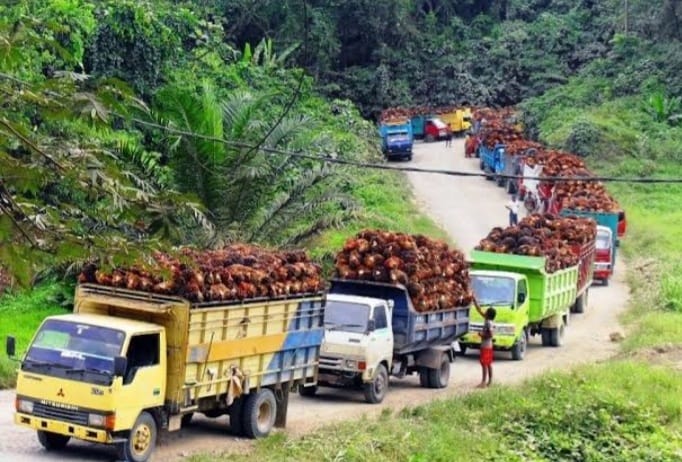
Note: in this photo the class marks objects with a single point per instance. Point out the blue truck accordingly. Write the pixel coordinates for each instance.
(373, 331)
(497, 162)
(396, 139)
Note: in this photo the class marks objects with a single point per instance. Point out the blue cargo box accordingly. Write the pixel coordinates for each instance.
(412, 331)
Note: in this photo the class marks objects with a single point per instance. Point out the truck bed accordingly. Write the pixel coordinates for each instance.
(586, 254)
(412, 331)
(259, 343)
(549, 293)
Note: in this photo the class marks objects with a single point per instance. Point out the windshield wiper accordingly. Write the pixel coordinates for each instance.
(87, 369)
(333, 326)
(36, 363)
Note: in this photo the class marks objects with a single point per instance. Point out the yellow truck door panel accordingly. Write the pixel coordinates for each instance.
(145, 391)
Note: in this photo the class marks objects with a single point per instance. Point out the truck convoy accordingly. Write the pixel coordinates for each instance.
(396, 139)
(396, 308)
(533, 293)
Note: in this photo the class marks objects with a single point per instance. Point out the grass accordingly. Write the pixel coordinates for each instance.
(21, 314)
(623, 410)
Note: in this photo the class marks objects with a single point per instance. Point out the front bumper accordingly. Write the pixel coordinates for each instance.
(95, 435)
(500, 342)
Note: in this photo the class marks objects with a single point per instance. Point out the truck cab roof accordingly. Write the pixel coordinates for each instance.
(507, 274)
(129, 326)
(356, 299)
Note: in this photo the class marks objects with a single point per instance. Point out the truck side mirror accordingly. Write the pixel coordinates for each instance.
(371, 325)
(11, 346)
(521, 298)
(120, 365)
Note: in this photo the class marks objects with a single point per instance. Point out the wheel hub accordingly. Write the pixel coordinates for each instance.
(141, 439)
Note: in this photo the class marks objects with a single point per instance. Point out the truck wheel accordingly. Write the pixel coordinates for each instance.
(236, 413)
(260, 410)
(481, 165)
(518, 351)
(546, 337)
(500, 181)
(439, 378)
(424, 377)
(580, 303)
(429, 138)
(52, 441)
(141, 441)
(409, 158)
(375, 391)
(606, 282)
(187, 419)
(556, 336)
(308, 392)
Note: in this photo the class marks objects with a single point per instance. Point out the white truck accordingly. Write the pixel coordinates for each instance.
(372, 331)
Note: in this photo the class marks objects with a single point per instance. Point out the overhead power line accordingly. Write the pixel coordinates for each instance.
(376, 166)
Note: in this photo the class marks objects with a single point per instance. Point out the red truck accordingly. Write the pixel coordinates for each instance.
(604, 256)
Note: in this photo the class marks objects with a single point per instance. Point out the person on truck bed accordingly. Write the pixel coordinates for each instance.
(486, 349)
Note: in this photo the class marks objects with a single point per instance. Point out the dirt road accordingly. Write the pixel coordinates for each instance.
(467, 208)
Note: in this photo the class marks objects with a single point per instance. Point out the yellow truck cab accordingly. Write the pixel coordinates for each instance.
(128, 364)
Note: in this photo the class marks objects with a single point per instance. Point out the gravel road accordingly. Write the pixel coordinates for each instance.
(467, 208)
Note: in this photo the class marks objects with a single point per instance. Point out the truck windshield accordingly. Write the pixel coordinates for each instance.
(493, 290)
(603, 241)
(346, 316)
(397, 137)
(64, 348)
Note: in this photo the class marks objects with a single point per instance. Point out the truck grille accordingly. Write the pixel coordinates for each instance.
(330, 362)
(475, 327)
(66, 415)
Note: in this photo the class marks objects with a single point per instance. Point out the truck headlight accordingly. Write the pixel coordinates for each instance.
(351, 364)
(97, 420)
(24, 405)
(505, 329)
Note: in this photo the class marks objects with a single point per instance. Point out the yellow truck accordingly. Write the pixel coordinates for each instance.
(127, 364)
(459, 120)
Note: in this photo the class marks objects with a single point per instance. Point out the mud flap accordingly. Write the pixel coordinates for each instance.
(282, 400)
(432, 357)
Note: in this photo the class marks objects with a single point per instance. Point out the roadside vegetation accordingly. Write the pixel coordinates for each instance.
(625, 411)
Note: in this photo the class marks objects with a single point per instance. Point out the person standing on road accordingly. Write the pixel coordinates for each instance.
(448, 137)
(513, 207)
(486, 351)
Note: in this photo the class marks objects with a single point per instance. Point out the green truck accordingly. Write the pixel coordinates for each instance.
(528, 300)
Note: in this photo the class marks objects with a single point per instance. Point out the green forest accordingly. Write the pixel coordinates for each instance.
(128, 126)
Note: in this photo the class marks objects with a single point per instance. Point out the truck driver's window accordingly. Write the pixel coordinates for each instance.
(521, 290)
(380, 321)
(142, 352)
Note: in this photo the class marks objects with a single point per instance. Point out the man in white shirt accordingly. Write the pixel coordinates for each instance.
(513, 207)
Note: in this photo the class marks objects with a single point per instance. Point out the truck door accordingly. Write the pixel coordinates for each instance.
(381, 339)
(144, 382)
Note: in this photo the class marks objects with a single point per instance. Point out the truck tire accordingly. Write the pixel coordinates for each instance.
(424, 377)
(580, 303)
(375, 391)
(52, 441)
(439, 378)
(308, 392)
(518, 351)
(606, 282)
(556, 336)
(236, 413)
(141, 441)
(481, 165)
(260, 410)
(409, 158)
(546, 338)
(500, 181)
(429, 138)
